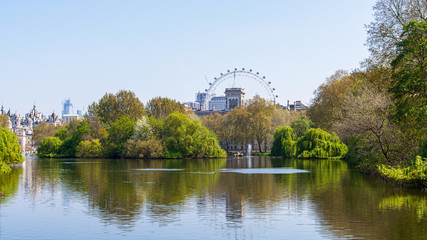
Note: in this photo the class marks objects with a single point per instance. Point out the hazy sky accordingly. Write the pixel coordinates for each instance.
(80, 49)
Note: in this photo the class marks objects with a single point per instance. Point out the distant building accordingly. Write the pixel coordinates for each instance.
(53, 119)
(217, 103)
(67, 107)
(297, 106)
(234, 98)
(193, 105)
(201, 98)
(70, 117)
(80, 112)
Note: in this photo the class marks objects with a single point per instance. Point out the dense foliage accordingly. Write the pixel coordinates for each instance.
(315, 143)
(10, 151)
(104, 134)
(380, 111)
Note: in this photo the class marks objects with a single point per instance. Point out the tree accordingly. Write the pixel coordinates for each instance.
(409, 79)
(224, 126)
(367, 125)
(186, 138)
(284, 143)
(43, 130)
(317, 143)
(260, 120)
(49, 147)
(327, 104)
(111, 107)
(301, 125)
(69, 146)
(89, 149)
(120, 131)
(390, 18)
(10, 151)
(160, 107)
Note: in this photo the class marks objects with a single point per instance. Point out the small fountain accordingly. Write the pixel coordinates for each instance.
(248, 153)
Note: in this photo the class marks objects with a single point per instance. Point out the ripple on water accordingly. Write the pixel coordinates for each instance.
(264, 170)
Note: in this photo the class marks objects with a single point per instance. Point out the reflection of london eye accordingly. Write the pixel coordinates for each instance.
(253, 83)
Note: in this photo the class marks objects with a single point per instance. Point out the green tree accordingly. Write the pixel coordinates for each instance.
(10, 151)
(301, 125)
(49, 147)
(119, 132)
(111, 107)
(186, 138)
(284, 143)
(89, 149)
(161, 107)
(68, 147)
(409, 79)
(317, 143)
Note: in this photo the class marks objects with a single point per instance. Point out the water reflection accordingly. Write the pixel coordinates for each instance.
(338, 202)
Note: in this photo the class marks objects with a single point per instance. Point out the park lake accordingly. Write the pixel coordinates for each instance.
(234, 198)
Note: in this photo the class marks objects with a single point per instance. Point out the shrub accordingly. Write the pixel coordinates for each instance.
(283, 143)
(317, 143)
(10, 151)
(152, 148)
(89, 149)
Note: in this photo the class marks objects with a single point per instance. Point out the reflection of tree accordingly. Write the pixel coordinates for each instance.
(365, 207)
(9, 184)
(117, 190)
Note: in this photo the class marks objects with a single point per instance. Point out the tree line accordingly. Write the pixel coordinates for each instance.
(120, 126)
(380, 110)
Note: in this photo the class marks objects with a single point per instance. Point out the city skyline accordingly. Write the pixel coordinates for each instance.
(82, 50)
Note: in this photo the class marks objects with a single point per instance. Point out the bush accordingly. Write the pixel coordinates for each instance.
(152, 148)
(317, 143)
(89, 149)
(415, 172)
(4, 168)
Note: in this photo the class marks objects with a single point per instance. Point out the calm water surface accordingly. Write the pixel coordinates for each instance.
(246, 198)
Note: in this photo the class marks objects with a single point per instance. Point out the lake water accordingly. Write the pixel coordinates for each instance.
(246, 198)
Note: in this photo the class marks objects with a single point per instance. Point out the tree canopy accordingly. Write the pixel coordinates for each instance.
(112, 107)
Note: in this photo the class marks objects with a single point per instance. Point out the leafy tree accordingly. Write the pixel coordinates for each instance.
(301, 125)
(10, 151)
(89, 149)
(67, 131)
(68, 147)
(120, 131)
(161, 107)
(409, 79)
(284, 143)
(186, 138)
(111, 107)
(49, 147)
(224, 126)
(317, 143)
(43, 130)
(260, 120)
(326, 108)
(390, 18)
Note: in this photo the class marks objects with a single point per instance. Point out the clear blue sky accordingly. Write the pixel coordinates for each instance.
(51, 50)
